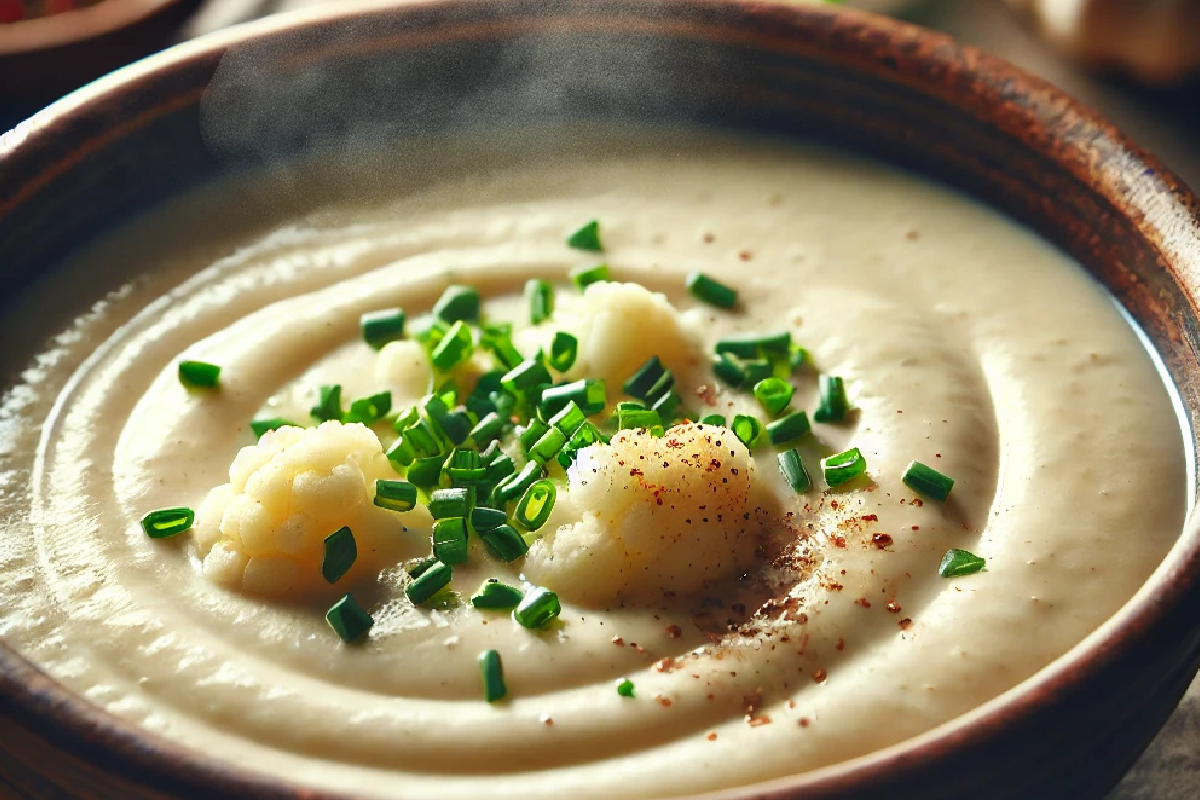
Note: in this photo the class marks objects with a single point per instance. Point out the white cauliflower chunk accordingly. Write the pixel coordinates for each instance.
(263, 532)
(668, 514)
(619, 327)
(404, 366)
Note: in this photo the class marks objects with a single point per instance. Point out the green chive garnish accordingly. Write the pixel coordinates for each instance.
(717, 419)
(493, 595)
(666, 406)
(488, 429)
(927, 480)
(425, 473)
(625, 687)
(380, 327)
(340, 553)
(261, 426)
(799, 358)
(586, 238)
(418, 567)
(833, 404)
(450, 540)
(455, 424)
(329, 405)
(957, 563)
(400, 454)
(535, 506)
(447, 503)
(504, 543)
(589, 394)
(529, 373)
(792, 467)
(454, 348)
(515, 485)
(166, 522)
(500, 345)
(493, 676)
(771, 346)
(641, 382)
(569, 418)
(757, 370)
(428, 330)
(773, 394)
(464, 468)
(486, 519)
(498, 471)
(584, 277)
(430, 581)
(533, 431)
(710, 291)
(635, 418)
(547, 447)
(563, 351)
(369, 410)
(349, 620)
(747, 429)
(789, 428)
(729, 371)
(395, 495)
(457, 304)
(537, 608)
(422, 439)
(541, 300)
(842, 467)
(199, 374)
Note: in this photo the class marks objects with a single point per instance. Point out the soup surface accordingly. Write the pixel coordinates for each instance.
(813, 628)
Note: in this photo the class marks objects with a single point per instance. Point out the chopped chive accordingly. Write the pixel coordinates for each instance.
(533, 431)
(260, 426)
(799, 357)
(455, 424)
(496, 472)
(431, 581)
(629, 405)
(589, 394)
(715, 419)
(464, 468)
(494, 595)
(369, 410)
(340, 554)
(454, 348)
(529, 373)
(501, 347)
(349, 620)
(755, 371)
(541, 300)
(586, 238)
(537, 608)
(927, 480)
(728, 371)
(163, 523)
(329, 403)
(417, 567)
(625, 687)
(425, 473)
(447, 503)
(648, 374)
(450, 540)
(504, 543)
(380, 327)
(772, 346)
(395, 495)
(563, 351)
(400, 454)
(428, 330)
(833, 404)
(486, 519)
(747, 429)
(535, 506)
(584, 277)
(794, 472)
(569, 418)
(789, 428)
(957, 563)
(488, 429)
(666, 406)
(515, 485)
(773, 394)
(491, 453)
(199, 374)
(547, 447)
(842, 467)
(636, 418)
(457, 304)
(406, 418)
(422, 439)
(493, 676)
(708, 290)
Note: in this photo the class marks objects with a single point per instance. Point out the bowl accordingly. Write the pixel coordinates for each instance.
(897, 92)
(43, 58)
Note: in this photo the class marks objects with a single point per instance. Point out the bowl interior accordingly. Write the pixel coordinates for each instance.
(266, 95)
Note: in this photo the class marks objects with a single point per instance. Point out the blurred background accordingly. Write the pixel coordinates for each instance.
(1136, 61)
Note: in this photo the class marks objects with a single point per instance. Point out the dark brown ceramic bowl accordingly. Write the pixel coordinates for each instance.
(892, 90)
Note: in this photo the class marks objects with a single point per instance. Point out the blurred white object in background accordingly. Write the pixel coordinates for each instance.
(1157, 41)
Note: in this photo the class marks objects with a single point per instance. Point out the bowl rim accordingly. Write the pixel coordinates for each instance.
(1170, 212)
(76, 25)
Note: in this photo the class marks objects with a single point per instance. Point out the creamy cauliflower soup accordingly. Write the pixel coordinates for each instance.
(571, 464)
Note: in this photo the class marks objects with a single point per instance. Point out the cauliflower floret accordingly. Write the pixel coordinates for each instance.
(405, 367)
(668, 514)
(619, 327)
(264, 531)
